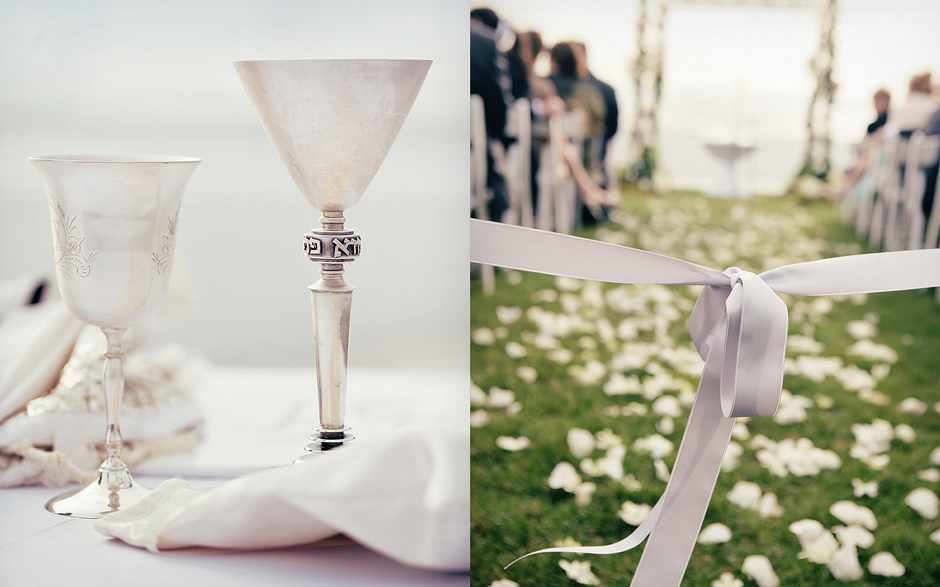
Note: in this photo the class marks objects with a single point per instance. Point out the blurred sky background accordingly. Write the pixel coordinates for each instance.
(102, 76)
(743, 73)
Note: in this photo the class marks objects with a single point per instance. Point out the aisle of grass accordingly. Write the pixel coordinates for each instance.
(555, 345)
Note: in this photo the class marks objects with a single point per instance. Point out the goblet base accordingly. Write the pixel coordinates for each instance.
(98, 499)
(323, 440)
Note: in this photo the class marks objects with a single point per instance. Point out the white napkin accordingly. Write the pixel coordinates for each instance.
(405, 495)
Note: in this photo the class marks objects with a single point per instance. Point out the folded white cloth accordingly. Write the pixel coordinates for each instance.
(405, 495)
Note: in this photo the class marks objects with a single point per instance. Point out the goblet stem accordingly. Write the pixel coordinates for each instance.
(331, 299)
(115, 489)
(114, 471)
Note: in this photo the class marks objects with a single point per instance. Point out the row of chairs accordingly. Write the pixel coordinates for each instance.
(885, 203)
(557, 207)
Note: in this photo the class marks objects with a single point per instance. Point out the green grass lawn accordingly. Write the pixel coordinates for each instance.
(556, 344)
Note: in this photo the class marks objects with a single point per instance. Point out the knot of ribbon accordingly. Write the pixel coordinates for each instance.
(739, 326)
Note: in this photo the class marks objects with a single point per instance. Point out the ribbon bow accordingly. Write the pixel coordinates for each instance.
(739, 326)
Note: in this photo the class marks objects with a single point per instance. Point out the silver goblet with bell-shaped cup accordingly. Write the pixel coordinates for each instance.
(332, 122)
(114, 221)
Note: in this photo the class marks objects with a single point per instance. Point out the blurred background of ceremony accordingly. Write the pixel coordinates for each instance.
(738, 71)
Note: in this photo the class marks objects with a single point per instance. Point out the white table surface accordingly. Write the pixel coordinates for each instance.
(255, 419)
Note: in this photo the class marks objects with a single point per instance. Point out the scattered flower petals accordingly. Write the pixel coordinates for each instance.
(714, 534)
(873, 351)
(803, 345)
(634, 513)
(479, 418)
(579, 571)
(515, 350)
(513, 409)
(758, 567)
(880, 371)
(500, 398)
(508, 315)
(745, 495)
(634, 409)
(818, 544)
(851, 513)
(483, 337)
(732, 457)
(861, 329)
(567, 542)
(513, 444)
(935, 536)
(561, 356)
(861, 488)
(583, 493)
(580, 442)
(727, 580)
(527, 374)
(924, 502)
(935, 456)
(666, 426)
(905, 433)
(662, 470)
(932, 475)
(769, 507)
(854, 534)
(740, 430)
(607, 439)
(844, 566)
(477, 396)
(504, 583)
(854, 378)
(619, 384)
(912, 405)
(657, 446)
(564, 476)
(591, 373)
(824, 402)
(886, 565)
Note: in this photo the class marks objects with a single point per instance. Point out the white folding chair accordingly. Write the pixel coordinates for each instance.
(479, 194)
(519, 164)
(922, 153)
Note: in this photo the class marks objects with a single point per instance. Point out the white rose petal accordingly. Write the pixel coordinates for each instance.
(500, 398)
(935, 536)
(886, 565)
(714, 534)
(508, 315)
(924, 502)
(732, 457)
(515, 350)
(844, 566)
(527, 374)
(634, 513)
(580, 442)
(619, 384)
(564, 476)
(666, 426)
(880, 371)
(583, 493)
(667, 405)
(727, 580)
(745, 495)
(861, 488)
(768, 506)
(561, 356)
(513, 409)
(758, 567)
(861, 329)
(513, 444)
(657, 446)
(873, 351)
(740, 430)
(477, 396)
(905, 433)
(932, 475)
(579, 571)
(807, 530)
(851, 513)
(479, 418)
(504, 583)
(912, 405)
(483, 337)
(854, 534)
(662, 470)
(935, 456)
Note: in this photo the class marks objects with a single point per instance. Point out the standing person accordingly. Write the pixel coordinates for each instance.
(612, 113)
(882, 103)
(489, 80)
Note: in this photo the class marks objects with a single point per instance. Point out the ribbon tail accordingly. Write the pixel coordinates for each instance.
(632, 541)
(691, 484)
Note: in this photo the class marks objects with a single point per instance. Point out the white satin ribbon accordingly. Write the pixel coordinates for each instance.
(738, 325)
